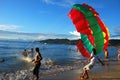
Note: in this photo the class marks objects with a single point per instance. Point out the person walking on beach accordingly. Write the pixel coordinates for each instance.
(89, 65)
(118, 54)
(37, 61)
(106, 54)
(24, 53)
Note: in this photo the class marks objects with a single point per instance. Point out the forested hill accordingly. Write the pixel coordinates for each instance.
(112, 42)
(59, 41)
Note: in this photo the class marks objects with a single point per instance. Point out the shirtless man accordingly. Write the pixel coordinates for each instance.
(25, 53)
(37, 61)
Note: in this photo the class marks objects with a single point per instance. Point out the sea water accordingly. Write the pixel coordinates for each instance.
(53, 54)
(56, 57)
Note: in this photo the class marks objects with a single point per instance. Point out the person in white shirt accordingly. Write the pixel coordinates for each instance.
(89, 65)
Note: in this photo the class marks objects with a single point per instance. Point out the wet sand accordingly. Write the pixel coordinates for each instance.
(110, 71)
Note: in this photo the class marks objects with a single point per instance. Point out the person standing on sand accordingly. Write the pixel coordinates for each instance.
(118, 54)
(37, 61)
(90, 65)
(106, 54)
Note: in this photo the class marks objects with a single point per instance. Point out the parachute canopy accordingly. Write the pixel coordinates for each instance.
(94, 33)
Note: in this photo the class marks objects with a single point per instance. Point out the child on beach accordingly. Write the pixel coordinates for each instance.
(37, 61)
(89, 66)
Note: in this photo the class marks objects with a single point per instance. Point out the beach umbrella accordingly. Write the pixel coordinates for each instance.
(94, 33)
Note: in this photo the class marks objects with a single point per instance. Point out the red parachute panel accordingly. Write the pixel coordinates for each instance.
(82, 49)
(91, 39)
(103, 27)
(79, 21)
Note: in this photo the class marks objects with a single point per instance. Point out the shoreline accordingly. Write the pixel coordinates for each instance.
(110, 71)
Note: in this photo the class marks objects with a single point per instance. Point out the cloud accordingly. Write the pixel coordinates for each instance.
(15, 35)
(54, 36)
(41, 37)
(115, 36)
(116, 29)
(9, 27)
(115, 32)
(34, 36)
(75, 34)
(63, 3)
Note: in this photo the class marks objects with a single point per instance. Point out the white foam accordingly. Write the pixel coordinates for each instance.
(28, 59)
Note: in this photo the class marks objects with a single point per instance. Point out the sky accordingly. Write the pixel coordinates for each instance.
(42, 19)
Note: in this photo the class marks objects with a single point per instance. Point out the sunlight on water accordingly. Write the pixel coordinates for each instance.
(28, 59)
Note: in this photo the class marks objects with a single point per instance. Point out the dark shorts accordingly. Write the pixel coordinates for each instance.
(36, 69)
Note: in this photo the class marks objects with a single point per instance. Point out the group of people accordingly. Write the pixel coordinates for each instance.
(28, 53)
(37, 60)
(106, 53)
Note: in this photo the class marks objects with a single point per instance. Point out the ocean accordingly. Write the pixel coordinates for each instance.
(11, 53)
(56, 57)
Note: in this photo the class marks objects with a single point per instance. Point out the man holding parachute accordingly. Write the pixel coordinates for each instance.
(94, 33)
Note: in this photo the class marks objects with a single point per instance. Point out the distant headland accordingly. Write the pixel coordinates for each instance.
(112, 42)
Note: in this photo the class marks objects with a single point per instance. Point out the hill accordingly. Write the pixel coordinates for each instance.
(112, 42)
(59, 41)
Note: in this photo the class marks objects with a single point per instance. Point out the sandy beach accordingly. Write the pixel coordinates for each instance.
(110, 71)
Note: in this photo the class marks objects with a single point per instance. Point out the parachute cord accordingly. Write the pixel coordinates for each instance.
(29, 44)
